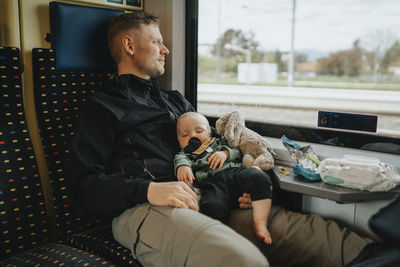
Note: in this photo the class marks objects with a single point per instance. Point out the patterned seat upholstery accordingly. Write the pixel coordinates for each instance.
(58, 97)
(23, 219)
(52, 254)
(100, 241)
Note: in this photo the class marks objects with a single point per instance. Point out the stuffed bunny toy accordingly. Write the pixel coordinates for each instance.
(256, 149)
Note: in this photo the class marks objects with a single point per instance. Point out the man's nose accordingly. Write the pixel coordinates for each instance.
(164, 50)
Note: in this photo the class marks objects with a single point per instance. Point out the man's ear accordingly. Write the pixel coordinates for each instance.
(128, 44)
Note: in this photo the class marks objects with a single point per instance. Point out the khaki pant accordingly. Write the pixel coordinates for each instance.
(302, 240)
(163, 236)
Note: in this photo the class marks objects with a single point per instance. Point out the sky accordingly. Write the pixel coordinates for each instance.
(321, 25)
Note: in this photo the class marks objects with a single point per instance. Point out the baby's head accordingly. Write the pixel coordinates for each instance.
(192, 124)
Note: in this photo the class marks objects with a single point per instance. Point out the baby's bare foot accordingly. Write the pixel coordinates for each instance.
(260, 228)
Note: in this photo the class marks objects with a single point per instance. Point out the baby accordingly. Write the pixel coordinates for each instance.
(215, 168)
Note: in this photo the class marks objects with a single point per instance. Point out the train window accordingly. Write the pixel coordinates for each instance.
(281, 62)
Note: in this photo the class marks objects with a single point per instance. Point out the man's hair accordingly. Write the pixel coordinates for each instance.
(123, 23)
(195, 114)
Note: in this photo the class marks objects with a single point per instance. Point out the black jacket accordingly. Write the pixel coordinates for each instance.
(126, 137)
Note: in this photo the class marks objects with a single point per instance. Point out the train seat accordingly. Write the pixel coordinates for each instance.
(64, 77)
(24, 226)
(58, 96)
(55, 254)
(57, 99)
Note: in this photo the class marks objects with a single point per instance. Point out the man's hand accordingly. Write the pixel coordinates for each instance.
(245, 201)
(185, 174)
(174, 194)
(217, 159)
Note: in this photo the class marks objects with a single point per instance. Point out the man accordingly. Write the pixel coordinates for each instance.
(123, 167)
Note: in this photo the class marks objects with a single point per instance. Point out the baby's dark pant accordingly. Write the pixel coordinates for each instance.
(220, 192)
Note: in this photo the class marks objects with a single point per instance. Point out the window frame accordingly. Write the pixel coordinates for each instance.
(335, 137)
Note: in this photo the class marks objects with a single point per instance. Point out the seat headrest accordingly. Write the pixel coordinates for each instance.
(79, 37)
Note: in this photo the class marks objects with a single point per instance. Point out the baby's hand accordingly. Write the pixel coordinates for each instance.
(185, 174)
(217, 159)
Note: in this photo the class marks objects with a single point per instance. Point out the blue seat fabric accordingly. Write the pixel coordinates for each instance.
(79, 34)
(23, 218)
(101, 242)
(53, 254)
(58, 96)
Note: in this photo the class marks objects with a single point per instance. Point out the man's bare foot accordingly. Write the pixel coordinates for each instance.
(260, 228)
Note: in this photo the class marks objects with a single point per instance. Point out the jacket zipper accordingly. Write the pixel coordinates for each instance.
(136, 156)
(147, 170)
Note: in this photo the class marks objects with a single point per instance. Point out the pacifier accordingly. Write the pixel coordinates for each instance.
(193, 144)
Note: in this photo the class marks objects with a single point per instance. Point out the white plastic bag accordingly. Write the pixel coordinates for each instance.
(359, 172)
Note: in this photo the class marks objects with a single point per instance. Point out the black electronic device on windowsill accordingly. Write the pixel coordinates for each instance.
(347, 121)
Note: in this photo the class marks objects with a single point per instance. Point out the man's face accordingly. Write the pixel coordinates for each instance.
(192, 126)
(149, 55)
